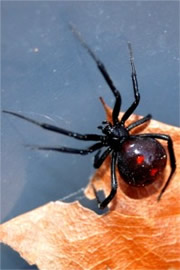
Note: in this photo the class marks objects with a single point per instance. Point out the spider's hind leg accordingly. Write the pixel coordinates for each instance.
(108, 199)
(99, 159)
(172, 157)
(139, 122)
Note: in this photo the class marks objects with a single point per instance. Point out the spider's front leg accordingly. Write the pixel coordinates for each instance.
(104, 73)
(108, 199)
(69, 150)
(134, 105)
(75, 135)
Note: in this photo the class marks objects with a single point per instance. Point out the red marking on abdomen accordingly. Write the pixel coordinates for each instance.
(153, 172)
(140, 159)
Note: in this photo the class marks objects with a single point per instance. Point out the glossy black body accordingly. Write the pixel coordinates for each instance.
(141, 161)
(140, 158)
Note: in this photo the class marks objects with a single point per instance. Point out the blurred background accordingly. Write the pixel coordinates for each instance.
(48, 76)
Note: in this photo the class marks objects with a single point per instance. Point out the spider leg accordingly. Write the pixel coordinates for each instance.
(133, 106)
(104, 73)
(78, 136)
(109, 198)
(99, 159)
(171, 156)
(139, 122)
(68, 150)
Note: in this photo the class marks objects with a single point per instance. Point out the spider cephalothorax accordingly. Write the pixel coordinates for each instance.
(140, 158)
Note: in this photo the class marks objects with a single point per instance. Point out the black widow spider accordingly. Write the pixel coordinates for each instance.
(140, 159)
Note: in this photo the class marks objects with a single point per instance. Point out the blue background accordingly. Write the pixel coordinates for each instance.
(46, 73)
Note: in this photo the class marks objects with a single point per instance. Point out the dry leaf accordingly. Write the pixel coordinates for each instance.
(138, 232)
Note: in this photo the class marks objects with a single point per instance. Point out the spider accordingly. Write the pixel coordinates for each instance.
(140, 158)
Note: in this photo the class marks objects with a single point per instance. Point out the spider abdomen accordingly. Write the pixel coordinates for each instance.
(141, 161)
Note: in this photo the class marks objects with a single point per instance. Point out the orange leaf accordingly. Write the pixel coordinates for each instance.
(137, 233)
